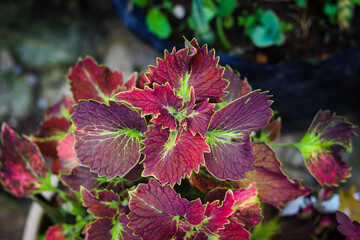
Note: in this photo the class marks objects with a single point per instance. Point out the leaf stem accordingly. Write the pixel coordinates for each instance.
(53, 213)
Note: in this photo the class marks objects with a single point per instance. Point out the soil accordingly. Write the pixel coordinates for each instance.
(312, 37)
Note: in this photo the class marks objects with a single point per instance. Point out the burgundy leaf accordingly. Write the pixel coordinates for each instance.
(102, 203)
(273, 185)
(233, 231)
(321, 146)
(170, 155)
(217, 215)
(57, 109)
(100, 229)
(22, 163)
(156, 210)
(161, 102)
(272, 130)
(91, 81)
(347, 227)
(237, 87)
(228, 135)
(191, 67)
(107, 137)
(80, 176)
(50, 133)
(197, 115)
(110, 229)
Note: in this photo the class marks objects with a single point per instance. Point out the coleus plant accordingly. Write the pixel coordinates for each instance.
(183, 151)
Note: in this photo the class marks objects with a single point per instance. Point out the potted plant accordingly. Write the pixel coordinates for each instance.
(184, 151)
(295, 49)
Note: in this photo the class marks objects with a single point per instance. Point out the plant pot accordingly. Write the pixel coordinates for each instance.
(299, 88)
(33, 222)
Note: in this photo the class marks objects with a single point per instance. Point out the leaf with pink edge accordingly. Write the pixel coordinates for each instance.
(347, 227)
(102, 203)
(273, 185)
(156, 211)
(91, 81)
(228, 135)
(22, 163)
(191, 67)
(110, 229)
(56, 232)
(67, 155)
(246, 206)
(107, 137)
(161, 102)
(217, 215)
(170, 155)
(80, 176)
(321, 146)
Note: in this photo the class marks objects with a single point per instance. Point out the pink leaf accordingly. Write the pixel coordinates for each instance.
(22, 163)
(67, 155)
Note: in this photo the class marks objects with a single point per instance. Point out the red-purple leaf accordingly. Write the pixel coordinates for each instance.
(67, 155)
(233, 231)
(204, 181)
(110, 229)
(90, 81)
(191, 67)
(327, 167)
(64, 103)
(170, 155)
(217, 215)
(50, 133)
(321, 145)
(272, 130)
(55, 232)
(156, 210)
(246, 207)
(229, 135)
(107, 137)
(274, 187)
(99, 230)
(197, 116)
(80, 176)
(237, 87)
(102, 203)
(347, 227)
(22, 163)
(161, 102)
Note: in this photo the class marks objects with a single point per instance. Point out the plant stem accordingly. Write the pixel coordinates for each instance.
(53, 213)
(221, 34)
